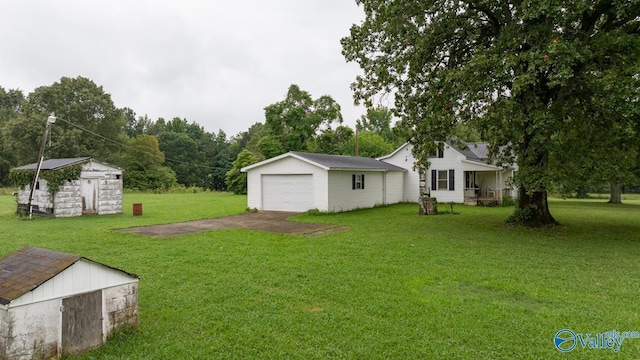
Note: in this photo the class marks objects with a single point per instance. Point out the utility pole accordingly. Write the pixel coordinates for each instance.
(50, 121)
(357, 140)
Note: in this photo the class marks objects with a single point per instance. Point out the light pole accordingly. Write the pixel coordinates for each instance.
(50, 121)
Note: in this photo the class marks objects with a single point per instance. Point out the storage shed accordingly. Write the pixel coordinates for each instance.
(98, 190)
(52, 303)
(299, 181)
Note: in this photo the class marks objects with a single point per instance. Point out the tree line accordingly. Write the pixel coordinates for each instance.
(162, 154)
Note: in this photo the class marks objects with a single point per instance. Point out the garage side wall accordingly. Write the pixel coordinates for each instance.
(394, 187)
(404, 158)
(287, 166)
(343, 197)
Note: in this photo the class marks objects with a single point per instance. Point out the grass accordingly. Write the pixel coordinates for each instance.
(394, 285)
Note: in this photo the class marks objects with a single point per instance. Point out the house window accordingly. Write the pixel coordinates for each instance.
(443, 179)
(357, 181)
(439, 153)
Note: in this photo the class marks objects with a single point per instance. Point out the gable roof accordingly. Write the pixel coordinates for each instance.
(29, 267)
(332, 162)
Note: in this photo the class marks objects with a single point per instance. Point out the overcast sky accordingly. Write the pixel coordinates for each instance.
(217, 63)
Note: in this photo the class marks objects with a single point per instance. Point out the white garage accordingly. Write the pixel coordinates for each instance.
(298, 182)
(287, 192)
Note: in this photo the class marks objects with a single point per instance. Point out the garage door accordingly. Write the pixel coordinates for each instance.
(287, 192)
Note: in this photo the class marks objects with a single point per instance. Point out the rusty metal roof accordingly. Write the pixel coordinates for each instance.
(54, 164)
(29, 267)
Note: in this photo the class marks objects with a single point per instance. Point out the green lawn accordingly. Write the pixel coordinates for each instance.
(395, 285)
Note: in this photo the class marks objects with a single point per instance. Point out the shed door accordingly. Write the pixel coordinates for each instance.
(82, 322)
(89, 194)
(287, 192)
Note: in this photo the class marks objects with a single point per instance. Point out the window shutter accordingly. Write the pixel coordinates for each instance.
(353, 181)
(452, 179)
(362, 181)
(434, 180)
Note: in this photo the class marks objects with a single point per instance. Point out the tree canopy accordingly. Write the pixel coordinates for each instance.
(297, 119)
(527, 76)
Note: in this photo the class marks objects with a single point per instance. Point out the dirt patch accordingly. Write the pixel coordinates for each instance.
(272, 221)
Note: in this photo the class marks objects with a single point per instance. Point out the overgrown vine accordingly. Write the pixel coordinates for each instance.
(55, 178)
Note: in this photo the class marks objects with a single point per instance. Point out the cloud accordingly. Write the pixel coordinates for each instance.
(218, 63)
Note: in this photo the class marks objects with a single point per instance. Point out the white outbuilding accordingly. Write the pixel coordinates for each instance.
(53, 304)
(299, 181)
(98, 190)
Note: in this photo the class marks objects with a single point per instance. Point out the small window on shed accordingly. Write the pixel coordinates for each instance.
(37, 185)
(118, 176)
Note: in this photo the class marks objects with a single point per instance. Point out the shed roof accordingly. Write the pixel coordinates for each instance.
(29, 267)
(55, 164)
(333, 162)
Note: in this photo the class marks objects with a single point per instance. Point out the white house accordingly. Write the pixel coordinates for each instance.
(53, 304)
(97, 191)
(454, 175)
(298, 181)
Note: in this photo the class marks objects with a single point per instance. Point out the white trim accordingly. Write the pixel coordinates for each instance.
(279, 157)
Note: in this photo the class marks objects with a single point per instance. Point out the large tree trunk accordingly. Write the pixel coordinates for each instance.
(616, 194)
(534, 209)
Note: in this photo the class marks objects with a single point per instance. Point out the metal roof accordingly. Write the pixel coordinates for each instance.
(29, 267)
(54, 164)
(337, 162)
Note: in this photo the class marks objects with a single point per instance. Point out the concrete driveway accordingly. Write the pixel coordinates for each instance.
(272, 221)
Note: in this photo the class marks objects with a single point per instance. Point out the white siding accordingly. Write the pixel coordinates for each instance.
(451, 160)
(394, 187)
(287, 166)
(81, 277)
(403, 157)
(342, 197)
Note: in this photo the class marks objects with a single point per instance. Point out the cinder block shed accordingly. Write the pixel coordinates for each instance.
(98, 190)
(52, 303)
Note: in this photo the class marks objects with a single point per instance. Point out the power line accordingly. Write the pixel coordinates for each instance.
(138, 150)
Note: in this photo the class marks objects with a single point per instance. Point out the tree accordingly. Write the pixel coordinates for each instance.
(144, 170)
(220, 157)
(88, 123)
(378, 121)
(333, 141)
(269, 146)
(515, 71)
(10, 107)
(296, 119)
(237, 180)
(186, 159)
(135, 127)
(370, 144)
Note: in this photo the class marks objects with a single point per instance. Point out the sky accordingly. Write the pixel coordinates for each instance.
(216, 63)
